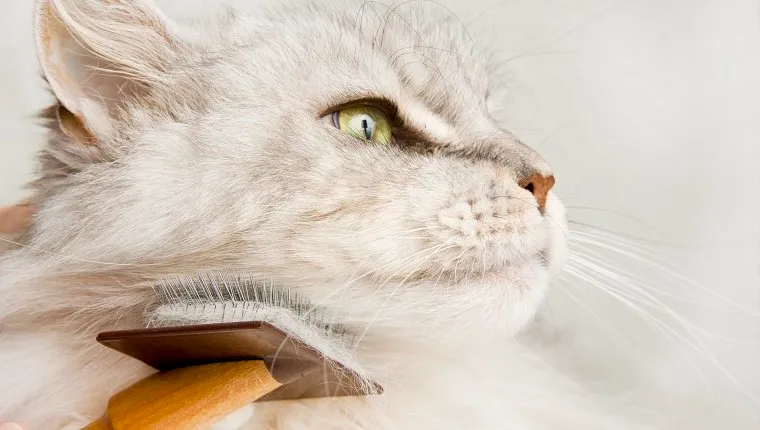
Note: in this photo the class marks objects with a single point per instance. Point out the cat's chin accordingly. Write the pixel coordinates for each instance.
(517, 291)
(500, 301)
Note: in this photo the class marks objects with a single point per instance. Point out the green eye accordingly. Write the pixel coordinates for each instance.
(364, 122)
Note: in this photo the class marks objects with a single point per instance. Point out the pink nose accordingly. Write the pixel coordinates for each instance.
(539, 185)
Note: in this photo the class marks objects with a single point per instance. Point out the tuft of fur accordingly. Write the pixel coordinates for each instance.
(212, 153)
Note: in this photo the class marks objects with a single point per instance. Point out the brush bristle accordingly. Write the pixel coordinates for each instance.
(220, 297)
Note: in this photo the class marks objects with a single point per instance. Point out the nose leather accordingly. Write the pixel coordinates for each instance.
(539, 185)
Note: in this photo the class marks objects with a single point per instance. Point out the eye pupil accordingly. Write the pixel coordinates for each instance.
(367, 131)
(363, 126)
(364, 122)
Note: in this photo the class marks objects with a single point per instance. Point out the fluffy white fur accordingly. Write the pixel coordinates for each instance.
(209, 152)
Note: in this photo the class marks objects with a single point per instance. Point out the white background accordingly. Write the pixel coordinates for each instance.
(649, 111)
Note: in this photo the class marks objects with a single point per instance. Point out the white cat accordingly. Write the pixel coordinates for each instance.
(350, 151)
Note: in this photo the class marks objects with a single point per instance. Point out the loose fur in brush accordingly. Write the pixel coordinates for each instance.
(188, 148)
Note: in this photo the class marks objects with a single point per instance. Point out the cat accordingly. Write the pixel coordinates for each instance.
(356, 153)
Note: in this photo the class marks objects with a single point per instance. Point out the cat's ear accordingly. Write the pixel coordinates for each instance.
(15, 218)
(98, 55)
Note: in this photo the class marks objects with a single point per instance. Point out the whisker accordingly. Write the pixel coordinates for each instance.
(625, 296)
(81, 260)
(583, 237)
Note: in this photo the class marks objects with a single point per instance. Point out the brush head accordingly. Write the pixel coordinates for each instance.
(221, 317)
(221, 297)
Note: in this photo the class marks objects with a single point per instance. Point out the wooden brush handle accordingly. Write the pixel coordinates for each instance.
(187, 398)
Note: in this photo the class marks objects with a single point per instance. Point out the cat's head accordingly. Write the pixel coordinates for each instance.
(349, 149)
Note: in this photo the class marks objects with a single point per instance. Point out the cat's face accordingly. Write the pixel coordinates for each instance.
(226, 152)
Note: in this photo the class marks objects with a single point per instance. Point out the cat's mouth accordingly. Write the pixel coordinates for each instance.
(504, 273)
